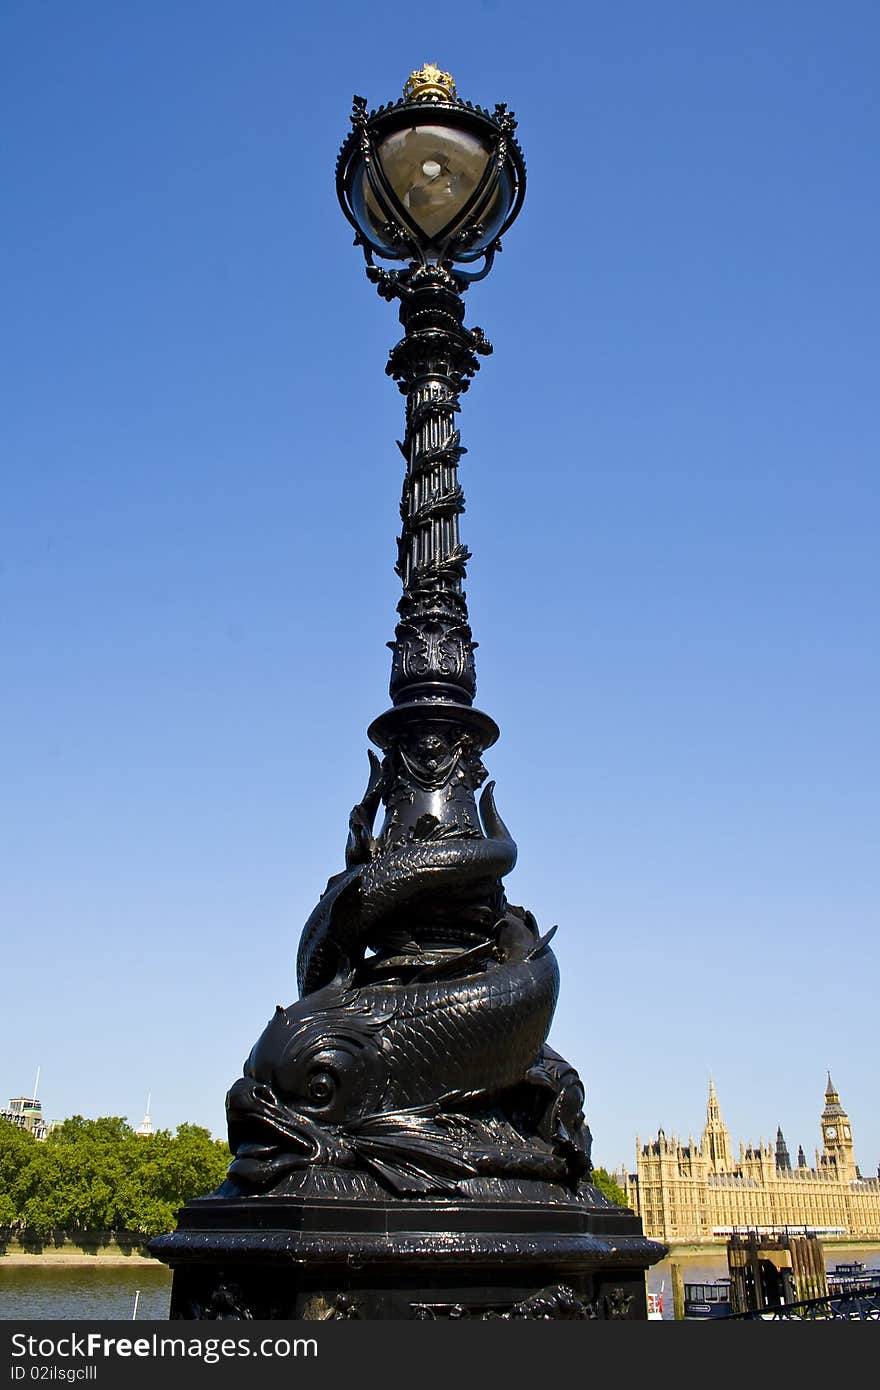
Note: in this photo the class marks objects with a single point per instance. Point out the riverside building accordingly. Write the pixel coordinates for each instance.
(698, 1191)
(26, 1112)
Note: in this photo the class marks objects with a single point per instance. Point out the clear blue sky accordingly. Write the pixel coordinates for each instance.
(672, 501)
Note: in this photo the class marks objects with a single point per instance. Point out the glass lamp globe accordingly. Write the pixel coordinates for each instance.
(434, 171)
(446, 175)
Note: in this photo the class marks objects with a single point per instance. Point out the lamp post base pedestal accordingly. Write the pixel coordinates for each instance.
(321, 1258)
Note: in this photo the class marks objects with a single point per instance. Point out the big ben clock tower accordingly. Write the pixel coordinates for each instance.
(837, 1135)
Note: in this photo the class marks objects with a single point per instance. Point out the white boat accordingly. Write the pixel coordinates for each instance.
(852, 1278)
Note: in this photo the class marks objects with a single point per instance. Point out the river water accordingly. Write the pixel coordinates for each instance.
(46, 1292)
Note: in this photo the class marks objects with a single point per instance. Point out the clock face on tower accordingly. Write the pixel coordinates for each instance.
(830, 1132)
(846, 1131)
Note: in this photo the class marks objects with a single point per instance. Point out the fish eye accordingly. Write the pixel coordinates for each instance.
(322, 1086)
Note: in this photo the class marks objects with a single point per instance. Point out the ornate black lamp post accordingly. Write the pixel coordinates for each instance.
(405, 1142)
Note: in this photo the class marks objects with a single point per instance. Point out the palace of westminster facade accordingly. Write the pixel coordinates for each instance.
(698, 1192)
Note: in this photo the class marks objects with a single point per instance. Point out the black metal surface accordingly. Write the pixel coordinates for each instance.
(409, 1097)
(326, 1256)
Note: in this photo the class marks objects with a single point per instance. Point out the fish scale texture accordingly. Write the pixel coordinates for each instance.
(339, 924)
(481, 1031)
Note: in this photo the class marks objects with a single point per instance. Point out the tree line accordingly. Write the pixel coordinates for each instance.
(98, 1175)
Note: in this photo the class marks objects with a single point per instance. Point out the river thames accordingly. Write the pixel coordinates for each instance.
(46, 1291)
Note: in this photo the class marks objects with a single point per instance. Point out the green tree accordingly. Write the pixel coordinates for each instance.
(169, 1172)
(608, 1187)
(95, 1175)
(19, 1150)
(70, 1186)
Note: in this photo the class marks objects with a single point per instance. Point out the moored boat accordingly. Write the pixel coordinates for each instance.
(709, 1299)
(851, 1276)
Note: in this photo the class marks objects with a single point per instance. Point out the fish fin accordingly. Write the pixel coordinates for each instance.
(410, 1151)
(457, 964)
(406, 1179)
(399, 940)
(453, 1100)
(542, 943)
(493, 825)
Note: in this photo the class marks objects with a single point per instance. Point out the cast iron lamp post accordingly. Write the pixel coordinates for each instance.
(431, 181)
(406, 1144)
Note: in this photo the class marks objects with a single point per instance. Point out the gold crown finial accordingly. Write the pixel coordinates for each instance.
(429, 84)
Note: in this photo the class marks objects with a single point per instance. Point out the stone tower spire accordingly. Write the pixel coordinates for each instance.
(837, 1135)
(783, 1162)
(716, 1138)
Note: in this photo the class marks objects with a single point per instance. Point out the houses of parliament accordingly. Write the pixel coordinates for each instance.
(697, 1191)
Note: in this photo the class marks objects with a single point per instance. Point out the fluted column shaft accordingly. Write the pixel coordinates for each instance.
(433, 737)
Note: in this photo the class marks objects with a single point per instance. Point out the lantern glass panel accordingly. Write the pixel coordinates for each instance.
(433, 171)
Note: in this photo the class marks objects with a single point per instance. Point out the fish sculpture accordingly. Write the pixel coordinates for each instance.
(424, 1068)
